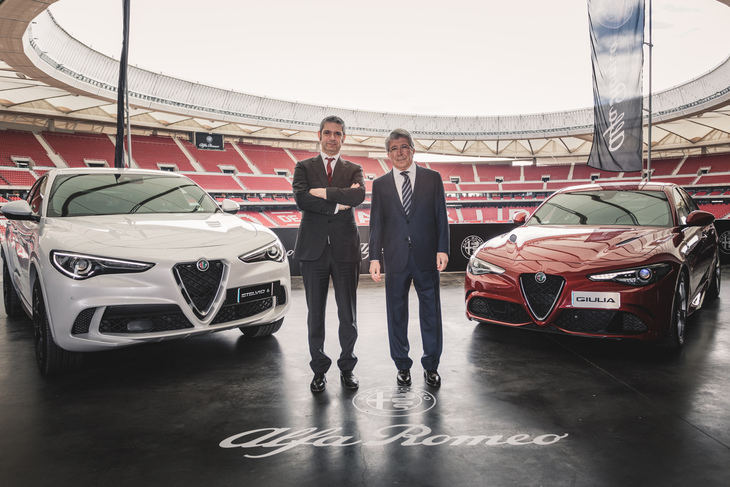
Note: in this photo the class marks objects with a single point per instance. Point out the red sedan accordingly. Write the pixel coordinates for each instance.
(600, 260)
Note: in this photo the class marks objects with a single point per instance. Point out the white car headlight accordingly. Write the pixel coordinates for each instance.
(273, 252)
(637, 276)
(477, 267)
(82, 266)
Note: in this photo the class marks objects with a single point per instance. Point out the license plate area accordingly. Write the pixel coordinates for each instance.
(591, 299)
(254, 293)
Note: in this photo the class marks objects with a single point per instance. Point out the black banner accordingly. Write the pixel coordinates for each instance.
(465, 238)
(617, 56)
(205, 141)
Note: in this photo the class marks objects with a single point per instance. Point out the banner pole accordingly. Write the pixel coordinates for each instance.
(648, 155)
(122, 95)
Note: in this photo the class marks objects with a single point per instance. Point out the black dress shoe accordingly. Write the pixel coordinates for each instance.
(318, 383)
(403, 377)
(432, 377)
(349, 381)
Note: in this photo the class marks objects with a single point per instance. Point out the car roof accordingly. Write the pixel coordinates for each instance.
(620, 186)
(109, 170)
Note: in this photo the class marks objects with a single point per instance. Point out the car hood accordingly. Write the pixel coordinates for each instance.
(577, 246)
(154, 232)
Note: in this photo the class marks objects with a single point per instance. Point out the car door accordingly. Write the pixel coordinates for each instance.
(691, 244)
(25, 238)
(707, 247)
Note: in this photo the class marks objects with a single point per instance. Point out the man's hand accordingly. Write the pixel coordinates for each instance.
(375, 270)
(354, 185)
(442, 259)
(319, 192)
(342, 207)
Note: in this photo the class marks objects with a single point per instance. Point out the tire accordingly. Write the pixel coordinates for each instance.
(51, 358)
(674, 339)
(13, 306)
(713, 291)
(261, 330)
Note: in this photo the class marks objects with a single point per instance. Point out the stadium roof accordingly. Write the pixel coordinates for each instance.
(51, 81)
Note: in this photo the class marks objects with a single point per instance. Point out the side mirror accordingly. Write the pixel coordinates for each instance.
(520, 217)
(230, 206)
(699, 218)
(18, 210)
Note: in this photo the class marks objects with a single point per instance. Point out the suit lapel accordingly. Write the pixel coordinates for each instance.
(396, 198)
(320, 170)
(419, 189)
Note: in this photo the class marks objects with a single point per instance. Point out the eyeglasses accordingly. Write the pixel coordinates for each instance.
(403, 147)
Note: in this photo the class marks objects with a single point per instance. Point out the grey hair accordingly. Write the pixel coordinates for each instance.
(332, 119)
(399, 134)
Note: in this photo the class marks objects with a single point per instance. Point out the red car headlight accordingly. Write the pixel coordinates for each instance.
(636, 276)
(477, 267)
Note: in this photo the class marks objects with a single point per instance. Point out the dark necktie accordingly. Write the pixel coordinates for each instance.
(329, 169)
(407, 193)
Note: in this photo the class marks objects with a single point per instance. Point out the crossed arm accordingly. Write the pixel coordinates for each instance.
(326, 201)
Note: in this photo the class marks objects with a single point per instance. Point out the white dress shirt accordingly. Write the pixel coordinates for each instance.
(399, 180)
(324, 161)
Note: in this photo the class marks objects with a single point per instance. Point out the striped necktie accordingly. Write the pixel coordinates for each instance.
(407, 193)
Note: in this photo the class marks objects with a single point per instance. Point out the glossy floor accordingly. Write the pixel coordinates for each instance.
(515, 408)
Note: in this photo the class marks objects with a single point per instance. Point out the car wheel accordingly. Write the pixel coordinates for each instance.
(261, 330)
(713, 292)
(675, 335)
(51, 358)
(13, 307)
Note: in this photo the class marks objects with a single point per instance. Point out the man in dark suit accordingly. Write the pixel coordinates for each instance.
(409, 233)
(326, 189)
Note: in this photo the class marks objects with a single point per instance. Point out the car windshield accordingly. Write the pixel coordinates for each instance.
(119, 194)
(635, 208)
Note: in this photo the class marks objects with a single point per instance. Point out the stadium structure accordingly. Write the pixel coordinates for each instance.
(58, 109)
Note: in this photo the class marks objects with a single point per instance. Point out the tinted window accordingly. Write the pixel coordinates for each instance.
(111, 194)
(643, 208)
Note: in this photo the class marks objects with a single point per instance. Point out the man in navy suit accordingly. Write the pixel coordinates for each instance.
(409, 233)
(326, 189)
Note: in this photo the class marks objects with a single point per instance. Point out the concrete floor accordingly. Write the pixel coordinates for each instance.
(515, 408)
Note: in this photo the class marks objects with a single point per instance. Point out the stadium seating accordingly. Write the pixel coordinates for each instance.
(22, 144)
(266, 183)
(464, 172)
(489, 172)
(555, 173)
(268, 159)
(150, 151)
(211, 160)
(215, 182)
(75, 148)
(19, 178)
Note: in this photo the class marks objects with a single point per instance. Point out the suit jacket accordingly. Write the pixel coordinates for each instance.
(425, 232)
(320, 223)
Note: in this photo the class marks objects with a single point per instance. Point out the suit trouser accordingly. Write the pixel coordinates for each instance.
(316, 278)
(397, 286)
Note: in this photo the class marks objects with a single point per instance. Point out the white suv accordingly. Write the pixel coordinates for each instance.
(104, 258)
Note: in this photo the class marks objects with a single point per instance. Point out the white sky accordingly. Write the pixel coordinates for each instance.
(456, 57)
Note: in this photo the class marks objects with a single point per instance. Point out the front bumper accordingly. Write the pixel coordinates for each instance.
(116, 310)
(644, 312)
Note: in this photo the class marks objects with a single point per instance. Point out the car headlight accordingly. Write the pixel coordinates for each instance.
(82, 266)
(477, 267)
(637, 276)
(274, 252)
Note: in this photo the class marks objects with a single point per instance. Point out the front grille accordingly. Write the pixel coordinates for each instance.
(497, 310)
(146, 318)
(541, 297)
(600, 321)
(83, 321)
(238, 311)
(199, 288)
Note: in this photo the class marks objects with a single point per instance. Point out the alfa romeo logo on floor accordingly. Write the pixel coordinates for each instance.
(394, 401)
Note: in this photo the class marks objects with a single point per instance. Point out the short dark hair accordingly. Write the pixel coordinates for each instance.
(399, 134)
(332, 119)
